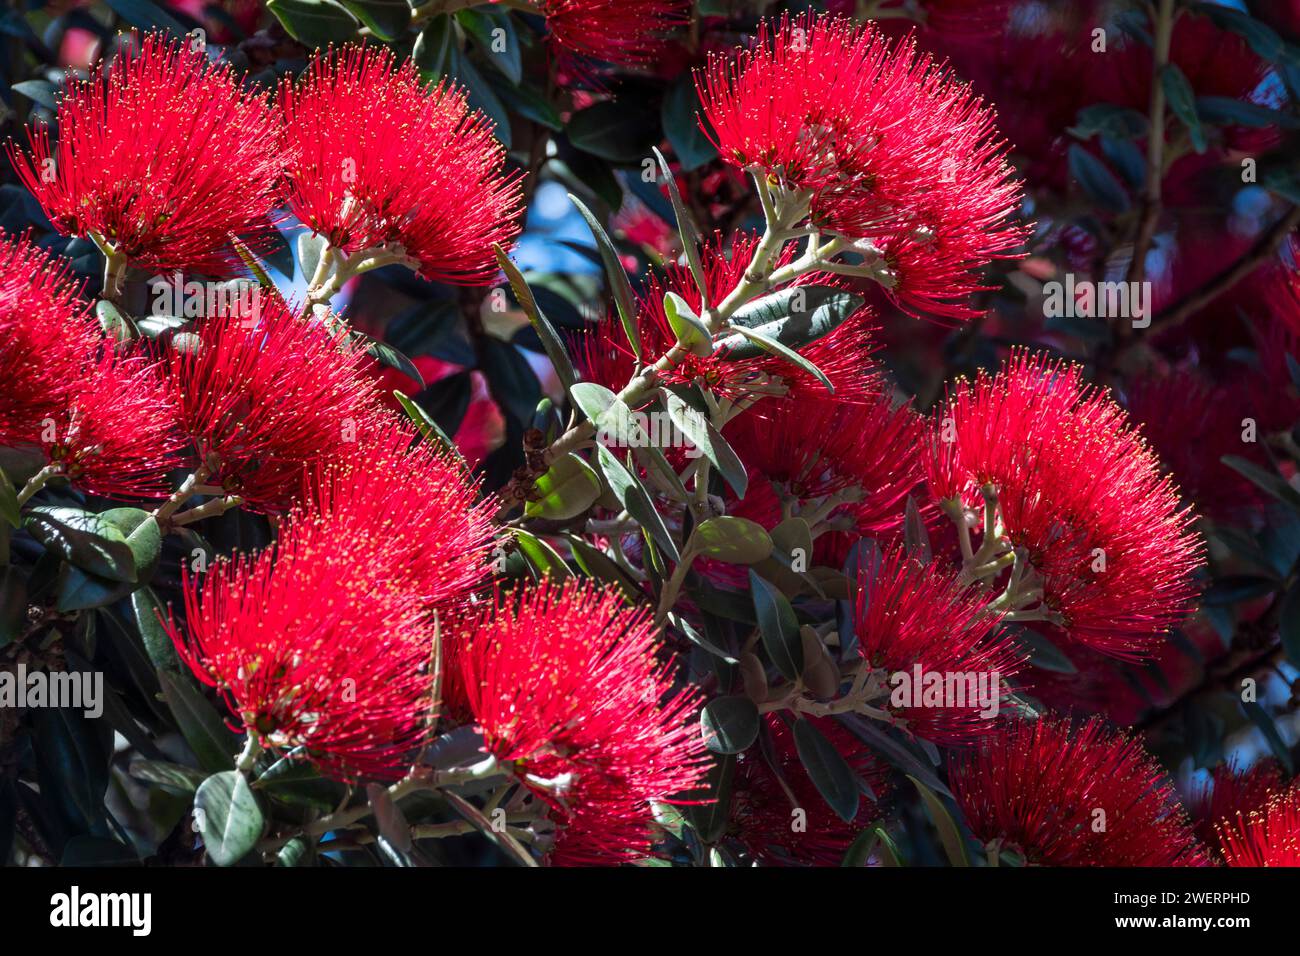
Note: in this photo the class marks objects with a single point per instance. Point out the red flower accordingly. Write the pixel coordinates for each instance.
(911, 615)
(616, 31)
(407, 511)
(767, 797)
(1081, 492)
(264, 398)
(844, 355)
(818, 444)
(891, 151)
(1269, 836)
(162, 155)
(311, 650)
(1230, 792)
(1076, 795)
(379, 162)
(45, 335)
(102, 416)
(565, 684)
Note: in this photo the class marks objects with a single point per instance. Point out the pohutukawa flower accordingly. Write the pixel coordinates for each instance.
(565, 685)
(407, 510)
(777, 813)
(615, 31)
(1230, 793)
(311, 650)
(145, 156)
(887, 148)
(815, 445)
(265, 398)
(1080, 493)
(379, 162)
(101, 416)
(912, 617)
(1078, 795)
(844, 355)
(1269, 836)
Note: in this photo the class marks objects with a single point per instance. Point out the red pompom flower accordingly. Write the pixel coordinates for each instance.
(101, 417)
(1079, 492)
(615, 31)
(914, 620)
(1269, 836)
(566, 686)
(889, 150)
(264, 398)
(380, 163)
(1066, 795)
(311, 650)
(163, 156)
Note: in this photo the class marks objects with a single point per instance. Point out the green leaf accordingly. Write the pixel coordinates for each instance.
(41, 92)
(686, 229)
(481, 96)
(434, 47)
(1267, 481)
(1227, 111)
(827, 769)
(859, 851)
(619, 286)
(949, 834)
(636, 500)
(1262, 38)
(711, 818)
(681, 108)
(1260, 718)
(314, 23)
(148, 611)
(544, 559)
(778, 627)
(203, 729)
(1041, 651)
(146, 15)
(170, 775)
(732, 539)
(493, 32)
(615, 131)
(686, 325)
(729, 724)
(116, 325)
(228, 817)
(531, 105)
(707, 439)
(774, 346)
(1182, 100)
(794, 317)
(83, 539)
(1106, 119)
(567, 489)
(387, 19)
(551, 341)
(427, 427)
(10, 510)
(80, 591)
(1097, 181)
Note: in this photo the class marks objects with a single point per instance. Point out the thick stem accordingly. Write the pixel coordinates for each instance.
(165, 510)
(1151, 199)
(37, 482)
(217, 506)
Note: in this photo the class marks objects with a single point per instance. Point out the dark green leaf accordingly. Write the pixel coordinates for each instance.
(619, 286)
(83, 539)
(567, 489)
(636, 500)
(680, 121)
(1097, 181)
(707, 439)
(1182, 100)
(203, 729)
(494, 33)
(387, 19)
(314, 23)
(551, 341)
(829, 772)
(729, 724)
(778, 627)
